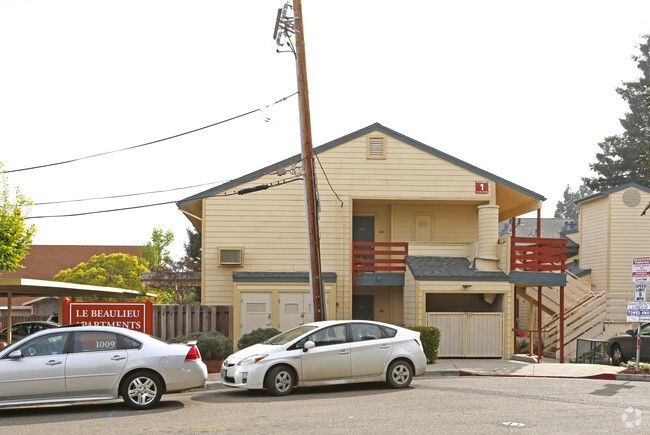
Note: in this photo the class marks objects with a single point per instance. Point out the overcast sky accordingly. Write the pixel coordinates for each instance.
(523, 89)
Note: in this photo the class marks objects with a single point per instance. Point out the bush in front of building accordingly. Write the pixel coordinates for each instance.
(256, 336)
(213, 345)
(430, 336)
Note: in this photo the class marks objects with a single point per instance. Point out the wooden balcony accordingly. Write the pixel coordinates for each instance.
(534, 254)
(378, 256)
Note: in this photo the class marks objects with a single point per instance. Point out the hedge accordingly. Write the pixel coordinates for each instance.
(430, 336)
(256, 336)
(213, 345)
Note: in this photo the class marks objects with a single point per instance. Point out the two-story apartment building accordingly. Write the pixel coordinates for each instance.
(409, 235)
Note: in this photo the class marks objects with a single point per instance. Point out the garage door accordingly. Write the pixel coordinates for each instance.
(469, 334)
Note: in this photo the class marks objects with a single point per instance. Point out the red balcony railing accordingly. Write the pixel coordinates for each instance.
(365, 257)
(533, 254)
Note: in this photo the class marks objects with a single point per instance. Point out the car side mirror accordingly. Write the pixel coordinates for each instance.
(308, 345)
(631, 332)
(16, 354)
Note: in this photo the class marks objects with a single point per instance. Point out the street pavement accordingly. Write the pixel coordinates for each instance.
(518, 366)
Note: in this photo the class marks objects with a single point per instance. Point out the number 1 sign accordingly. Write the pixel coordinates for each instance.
(482, 187)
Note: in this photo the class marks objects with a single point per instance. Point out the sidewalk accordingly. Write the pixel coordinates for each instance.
(519, 366)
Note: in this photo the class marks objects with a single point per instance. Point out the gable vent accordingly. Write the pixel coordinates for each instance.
(230, 256)
(376, 147)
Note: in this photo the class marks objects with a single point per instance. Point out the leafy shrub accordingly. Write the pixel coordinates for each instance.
(643, 367)
(256, 336)
(213, 345)
(430, 337)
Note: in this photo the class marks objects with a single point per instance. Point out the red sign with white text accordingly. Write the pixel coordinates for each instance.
(136, 316)
(482, 187)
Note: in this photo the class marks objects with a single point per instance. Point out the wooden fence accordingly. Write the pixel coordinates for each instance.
(171, 321)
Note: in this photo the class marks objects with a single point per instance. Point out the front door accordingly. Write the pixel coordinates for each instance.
(363, 230)
(39, 374)
(330, 359)
(363, 307)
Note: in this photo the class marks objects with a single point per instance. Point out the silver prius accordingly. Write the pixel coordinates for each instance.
(71, 364)
(326, 353)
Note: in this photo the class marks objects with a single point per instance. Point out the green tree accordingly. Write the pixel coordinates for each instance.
(567, 208)
(624, 157)
(155, 251)
(113, 270)
(193, 246)
(15, 235)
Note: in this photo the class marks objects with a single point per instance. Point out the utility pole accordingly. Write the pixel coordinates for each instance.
(285, 26)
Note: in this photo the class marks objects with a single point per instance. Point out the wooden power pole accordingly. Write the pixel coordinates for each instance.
(315, 271)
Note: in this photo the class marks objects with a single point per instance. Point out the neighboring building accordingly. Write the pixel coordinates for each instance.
(44, 262)
(613, 230)
(380, 187)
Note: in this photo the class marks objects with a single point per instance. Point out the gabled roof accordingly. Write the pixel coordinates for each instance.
(613, 190)
(347, 138)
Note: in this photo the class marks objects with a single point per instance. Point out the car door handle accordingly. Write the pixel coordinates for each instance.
(384, 346)
(118, 357)
(343, 352)
(53, 362)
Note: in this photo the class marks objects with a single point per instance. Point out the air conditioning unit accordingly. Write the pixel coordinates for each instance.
(230, 256)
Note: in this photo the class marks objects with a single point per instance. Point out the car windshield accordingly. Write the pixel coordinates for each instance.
(289, 335)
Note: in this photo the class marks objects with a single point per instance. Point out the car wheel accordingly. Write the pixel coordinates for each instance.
(617, 355)
(399, 374)
(279, 381)
(142, 390)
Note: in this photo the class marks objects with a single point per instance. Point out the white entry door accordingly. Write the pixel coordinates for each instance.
(255, 311)
(295, 309)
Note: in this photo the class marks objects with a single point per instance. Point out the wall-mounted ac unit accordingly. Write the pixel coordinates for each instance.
(231, 256)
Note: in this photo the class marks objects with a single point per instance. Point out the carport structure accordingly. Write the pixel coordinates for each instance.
(10, 287)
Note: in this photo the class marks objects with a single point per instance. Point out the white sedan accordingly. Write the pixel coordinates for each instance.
(326, 353)
(71, 364)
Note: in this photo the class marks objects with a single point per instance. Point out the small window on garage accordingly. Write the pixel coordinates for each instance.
(376, 148)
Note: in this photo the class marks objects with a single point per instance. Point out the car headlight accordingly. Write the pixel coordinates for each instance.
(252, 359)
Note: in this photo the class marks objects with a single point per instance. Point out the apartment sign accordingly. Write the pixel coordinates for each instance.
(136, 316)
(641, 269)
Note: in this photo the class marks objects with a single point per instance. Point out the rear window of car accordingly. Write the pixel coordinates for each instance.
(130, 343)
(390, 332)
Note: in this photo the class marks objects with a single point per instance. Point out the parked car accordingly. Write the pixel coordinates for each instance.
(23, 329)
(77, 363)
(623, 347)
(326, 353)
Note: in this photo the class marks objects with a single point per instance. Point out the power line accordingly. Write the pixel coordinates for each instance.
(236, 192)
(152, 142)
(125, 195)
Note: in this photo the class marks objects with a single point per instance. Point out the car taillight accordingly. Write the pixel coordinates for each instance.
(193, 354)
(416, 340)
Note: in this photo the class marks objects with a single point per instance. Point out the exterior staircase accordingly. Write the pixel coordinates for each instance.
(584, 314)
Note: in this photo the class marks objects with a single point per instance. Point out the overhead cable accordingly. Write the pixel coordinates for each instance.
(153, 141)
(274, 184)
(126, 195)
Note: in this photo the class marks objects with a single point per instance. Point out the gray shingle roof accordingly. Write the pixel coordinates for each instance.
(449, 269)
(612, 190)
(279, 277)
